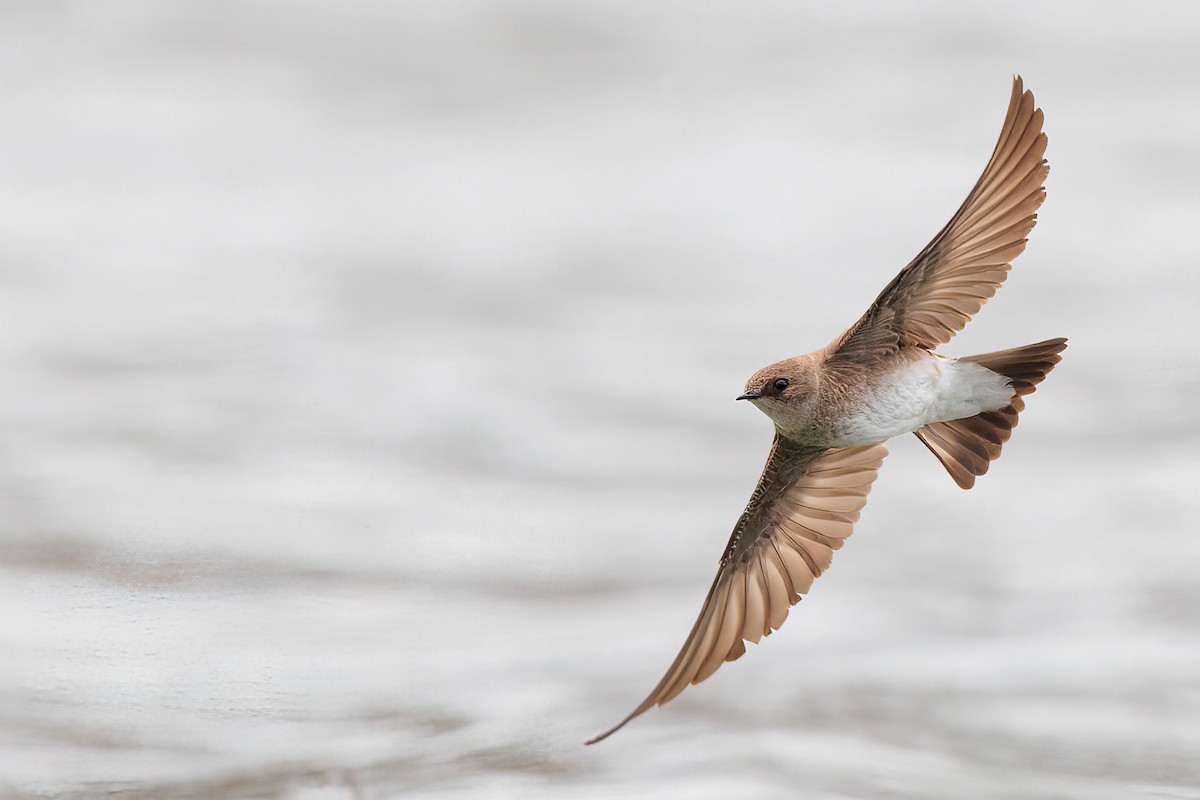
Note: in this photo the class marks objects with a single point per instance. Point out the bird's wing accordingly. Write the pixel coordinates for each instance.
(804, 507)
(938, 292)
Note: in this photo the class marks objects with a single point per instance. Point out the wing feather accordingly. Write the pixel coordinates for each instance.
(802, 510)
(757, 600)
(941, 289)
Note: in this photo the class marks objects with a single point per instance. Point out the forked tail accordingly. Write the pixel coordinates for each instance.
(966, 447)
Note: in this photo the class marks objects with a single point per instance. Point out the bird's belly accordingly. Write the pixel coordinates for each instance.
(918, 393)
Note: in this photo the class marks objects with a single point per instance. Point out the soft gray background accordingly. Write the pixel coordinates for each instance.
(368, 376)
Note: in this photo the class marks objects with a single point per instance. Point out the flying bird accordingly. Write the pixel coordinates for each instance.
(834, 408)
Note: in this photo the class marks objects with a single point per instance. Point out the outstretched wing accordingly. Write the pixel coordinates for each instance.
(804, 507)
(942, 288)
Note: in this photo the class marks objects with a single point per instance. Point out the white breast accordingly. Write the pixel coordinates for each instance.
(926, 390)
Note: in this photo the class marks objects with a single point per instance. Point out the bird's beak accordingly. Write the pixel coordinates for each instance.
(749, 396)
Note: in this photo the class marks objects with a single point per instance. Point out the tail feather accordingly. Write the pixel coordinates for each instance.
(966, 447)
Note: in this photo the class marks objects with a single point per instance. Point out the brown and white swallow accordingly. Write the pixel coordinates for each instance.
(834, 408)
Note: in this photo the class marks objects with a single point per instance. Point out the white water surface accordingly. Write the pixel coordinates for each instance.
(368, 376)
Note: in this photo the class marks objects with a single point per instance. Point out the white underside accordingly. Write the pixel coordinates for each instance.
(932, 389)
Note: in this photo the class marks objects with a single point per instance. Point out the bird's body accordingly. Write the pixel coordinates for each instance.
(909, 390)
(834, 408)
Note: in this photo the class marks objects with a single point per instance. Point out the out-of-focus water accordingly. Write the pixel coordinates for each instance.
(368, 399)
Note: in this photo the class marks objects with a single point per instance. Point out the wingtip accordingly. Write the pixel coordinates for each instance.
(1019, 92)
(601, 737)
(645, 706)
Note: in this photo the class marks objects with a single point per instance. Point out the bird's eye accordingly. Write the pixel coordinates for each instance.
(781, 384)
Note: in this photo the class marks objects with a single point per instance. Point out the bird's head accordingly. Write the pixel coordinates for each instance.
(783, 391)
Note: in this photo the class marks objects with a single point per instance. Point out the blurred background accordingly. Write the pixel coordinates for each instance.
(368, 399)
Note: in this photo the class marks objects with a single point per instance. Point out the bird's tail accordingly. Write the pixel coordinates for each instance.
(966, 447)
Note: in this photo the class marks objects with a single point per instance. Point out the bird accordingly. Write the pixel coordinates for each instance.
(834, 408)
